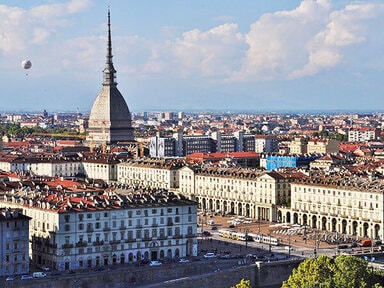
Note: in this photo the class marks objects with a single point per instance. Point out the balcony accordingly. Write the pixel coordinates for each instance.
(98, 243)
(114, 242)
(106, 229)
(53, 245)
(81, 244)
(190, 235)
(162, 237)
(89, 229)
(169, 224)
(139, 226)
(67, 246)
(155, 225)
(123, 227)
(130, 240)
(177, 236)
(147, 238)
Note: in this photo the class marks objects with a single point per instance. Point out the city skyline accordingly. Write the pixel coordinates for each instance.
(221, 55)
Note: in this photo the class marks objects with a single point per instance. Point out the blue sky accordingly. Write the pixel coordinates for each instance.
(181, 55)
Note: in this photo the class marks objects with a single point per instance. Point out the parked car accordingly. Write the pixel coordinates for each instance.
(209, 255)
(353, 245)
(144, 261)
(10, 278)
(183, 260)
(26, 277)
(155, 263)
(98, 268)
(39, 275)
(45, 268)
(207, 233)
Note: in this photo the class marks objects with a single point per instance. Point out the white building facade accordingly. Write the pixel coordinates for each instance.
(72, 231)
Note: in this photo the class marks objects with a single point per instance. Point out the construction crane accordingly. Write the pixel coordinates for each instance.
(135, 144)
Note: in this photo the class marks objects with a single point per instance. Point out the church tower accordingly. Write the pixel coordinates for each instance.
(110, 119)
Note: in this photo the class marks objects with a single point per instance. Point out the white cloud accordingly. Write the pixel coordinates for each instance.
(21, 28)
(304, 41)
(210, 53)
(278, 42)
(347, 27)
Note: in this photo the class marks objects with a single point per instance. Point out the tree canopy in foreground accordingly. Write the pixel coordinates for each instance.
(243, 284)
(344, 271)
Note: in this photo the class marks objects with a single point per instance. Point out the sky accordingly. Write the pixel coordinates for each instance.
(182, 55)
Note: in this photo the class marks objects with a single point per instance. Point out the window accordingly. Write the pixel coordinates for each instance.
(130, 235)
(81, 226)
(67, 227)
(81, 217)
(66, 218)
(89, 216)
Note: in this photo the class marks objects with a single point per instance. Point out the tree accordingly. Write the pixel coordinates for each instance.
(344, 271)
(243, 284)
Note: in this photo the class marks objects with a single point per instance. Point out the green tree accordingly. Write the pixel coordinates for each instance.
(344, 271)
(243, 284)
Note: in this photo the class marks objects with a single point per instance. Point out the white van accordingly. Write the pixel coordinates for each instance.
(211, 222)
(39, 275)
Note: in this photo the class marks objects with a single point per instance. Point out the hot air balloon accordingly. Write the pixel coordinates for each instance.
(26, 64)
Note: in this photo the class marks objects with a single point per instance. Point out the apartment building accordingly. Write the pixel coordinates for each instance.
(150, 173)
(95, 166)
(363, 134)
(297, 146)
(162, 147)
(101, 166)
(337, 202)
(180, 145)
(323, 146)
(42, 164)
(266, 144)
(245, 192)
(14, 253)
(79, 230)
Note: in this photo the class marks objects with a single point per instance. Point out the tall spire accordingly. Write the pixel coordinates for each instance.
(109, 70)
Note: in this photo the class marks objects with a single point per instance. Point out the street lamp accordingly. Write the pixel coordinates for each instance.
(270, 248)
(289, 245)
(246, 239)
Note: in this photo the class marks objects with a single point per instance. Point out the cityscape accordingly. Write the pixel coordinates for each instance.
(195, 197)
